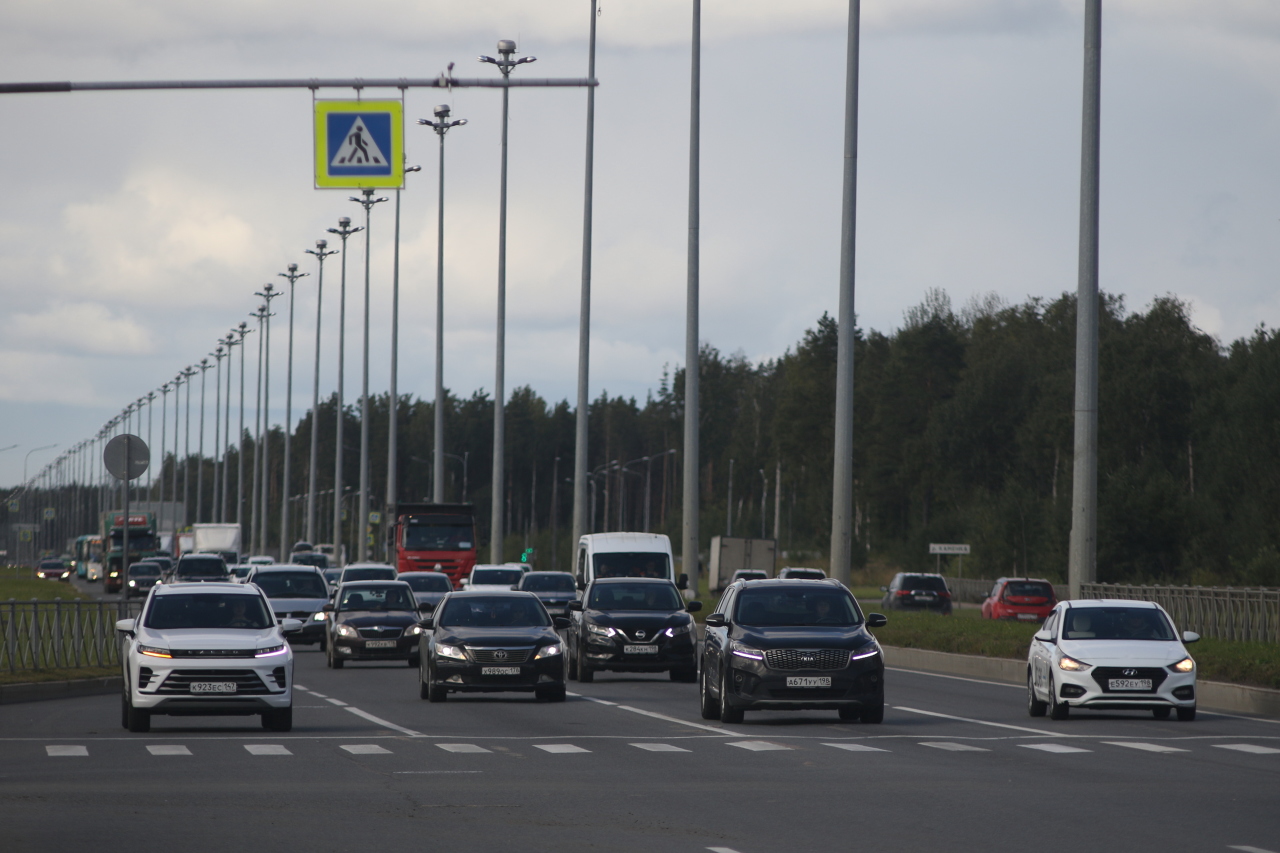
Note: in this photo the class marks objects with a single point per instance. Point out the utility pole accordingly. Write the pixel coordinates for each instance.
(344, 230)
(363, 525)
(692, 362)
(314, 463)
(292, 276)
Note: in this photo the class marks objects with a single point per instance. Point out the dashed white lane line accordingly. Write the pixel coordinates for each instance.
(338, 702)
(365, 749)
(67, 751)
(953, 747)
(658, 716)
(1248, 747)
(371, 718)
(1145, 747)
(659, 747)
(590, 698)
(757, 745)
(167, 749)
(560, 748)
(855, 747)
(722, 850)
(463, 747)
(1060, 748)
(266, 749)
(979, 722)
(1245, 848)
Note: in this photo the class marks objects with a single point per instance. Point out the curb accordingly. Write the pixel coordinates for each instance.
(1214, 695)
(40, 690)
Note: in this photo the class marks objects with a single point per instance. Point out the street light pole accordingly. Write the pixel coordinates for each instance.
(362, 526)
(393, 394)
(186, 451)
(164, 422)
(506, 48)
(441, 126)
(692, 362)
(268, 293)
(344, 230)
(243, 331)
(255, 493)
(292, 275)
(320, 252)
(218, 354)
(204, 368)
(226, 471)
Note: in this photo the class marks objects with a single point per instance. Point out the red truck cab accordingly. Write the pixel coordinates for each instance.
(436, 537)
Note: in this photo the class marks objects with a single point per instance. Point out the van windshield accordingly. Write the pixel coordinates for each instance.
(632, 564)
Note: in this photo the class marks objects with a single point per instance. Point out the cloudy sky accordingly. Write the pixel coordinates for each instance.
(135, 227)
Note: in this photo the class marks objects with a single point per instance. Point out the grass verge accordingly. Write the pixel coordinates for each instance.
(17, 582)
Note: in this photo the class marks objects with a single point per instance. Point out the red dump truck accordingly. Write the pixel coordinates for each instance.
(435, 537)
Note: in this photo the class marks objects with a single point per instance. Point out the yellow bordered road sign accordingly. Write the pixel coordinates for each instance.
(359, 144)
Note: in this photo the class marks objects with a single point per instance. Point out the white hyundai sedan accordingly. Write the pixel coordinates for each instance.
(209, 649)
(1110, 655)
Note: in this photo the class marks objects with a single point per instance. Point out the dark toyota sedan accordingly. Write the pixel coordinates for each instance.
(486, 642)
(554, 589)
(633, 625)
(372, 620)
(791, 645)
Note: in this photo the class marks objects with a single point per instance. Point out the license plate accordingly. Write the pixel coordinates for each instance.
(1129, 683)
(213, 687)
(639, 650)
(1028, 617)
(499, 670)
(924, 598)
(808, 681)
(379, 644)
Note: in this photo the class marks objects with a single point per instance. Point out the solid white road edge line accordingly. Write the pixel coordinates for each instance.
(384, 723)
(979, 722)
(591, 698)
(957, 677)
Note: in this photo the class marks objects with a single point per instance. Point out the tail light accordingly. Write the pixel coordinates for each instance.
(904, 592)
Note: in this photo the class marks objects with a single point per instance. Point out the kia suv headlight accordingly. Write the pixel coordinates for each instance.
(747, 652)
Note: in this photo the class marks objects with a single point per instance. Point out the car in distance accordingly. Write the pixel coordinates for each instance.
(633, 625)
(239, 572)
(295, 592)
(210, 649)
(1020, 600)
(372, 620)
(53, 570)
(1110, 655)
(331, 577)
(749, 575)
(260, 560)
(309, 558)
(554, 589)
(367, 572)
(917, 591)
(493, 578)
(487, 642)
(142, 576)
(428, 588)
(801, 574)
(198, 568)
(791, 645)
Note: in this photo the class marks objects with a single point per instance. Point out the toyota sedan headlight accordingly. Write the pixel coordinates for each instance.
(602, 630)
(677, 630)
(346, 631)
(447, 651)
(548, 651)
(1072, 665)
(1184, 665)
(746, 651)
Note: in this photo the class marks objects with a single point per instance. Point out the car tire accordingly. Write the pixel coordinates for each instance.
(1186, 715)
(1035, 708)
(728, 713)
(850, 715)
(1161, 713)
(710, 707)
(331, 657)
(124, 710)
(586, 674)
(423, 687)
(278, 719)
(136, 720)
(414, 661)
(684, 675)
(1057, 710)
(873, 714)
(572, 666)
(555, 693)
(435, 692)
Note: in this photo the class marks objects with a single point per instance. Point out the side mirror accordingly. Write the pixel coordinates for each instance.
(125, 626)
(1044, 636)
(464, 583)
(693, 606)
(1190, 637)
(328, 608)
(560, 622)
(682, 582)
(576, 605)
(715, 620)
(291, 626)
(884, 589)
(582, 584)
(876, 620)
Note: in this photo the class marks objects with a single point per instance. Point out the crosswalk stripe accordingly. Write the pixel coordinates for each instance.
(1248, 747)
(1145, 747)
(168, 749)
(365, 749)
(266, 749)
(1060, 748)
(463, 747)
(560, 748)
(855, 747)
(66, 751)
(953, 747)
(757, 745)
(658, 747)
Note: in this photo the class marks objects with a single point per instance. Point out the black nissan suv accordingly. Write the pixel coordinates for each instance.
(632, 625)
(790, 645)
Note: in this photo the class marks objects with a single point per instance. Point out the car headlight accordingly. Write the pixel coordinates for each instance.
(66, 574)
(319, 616)
(269, 651)
(115, 574)
(1072, 665)
(865, 652)
(133, 583)
(153, 651)
(414, 630)
(548, 651)
(602, 630)
(446, 651)
(346, 631)
(746, 651)
(677, 630)
(1184, 665)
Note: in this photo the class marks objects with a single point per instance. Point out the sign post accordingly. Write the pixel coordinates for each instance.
(127, 458)
(959, 550)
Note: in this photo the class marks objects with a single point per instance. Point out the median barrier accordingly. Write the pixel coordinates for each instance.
(40, 690)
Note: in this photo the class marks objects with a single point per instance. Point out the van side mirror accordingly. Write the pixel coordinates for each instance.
(693, 606)
(576, 605)
(876, 620)
(715, 620)
(683, 581)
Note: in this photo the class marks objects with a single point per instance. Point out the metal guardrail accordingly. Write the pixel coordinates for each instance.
(38, 635)
(1224, 613)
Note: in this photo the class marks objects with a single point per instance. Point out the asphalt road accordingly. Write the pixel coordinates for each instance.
(626, 764)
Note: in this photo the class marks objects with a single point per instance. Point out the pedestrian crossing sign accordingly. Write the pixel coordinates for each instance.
(359, 144)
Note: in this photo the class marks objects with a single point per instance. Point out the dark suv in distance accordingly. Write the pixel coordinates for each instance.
(554, 589)
(917, 591)
(198, 568)
(632, 625)
(779, 645)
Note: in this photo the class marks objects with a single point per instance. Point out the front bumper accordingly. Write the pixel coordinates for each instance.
(609, 653)
(752, 684)
(358, 648)
(1090, 690)
(468, 676)
(162, 685)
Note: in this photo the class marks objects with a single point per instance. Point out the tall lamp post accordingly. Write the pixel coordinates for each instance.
(242, 330)
(441, 125)
(313, 465)
(164, 422)
(218, 354)
(506, 49)
(367, 202)
(204, 368)
(344, 230)
(255, 494)
(393, 424)
(268, 293)
(186, 451)
(292, 275)
(692, 362)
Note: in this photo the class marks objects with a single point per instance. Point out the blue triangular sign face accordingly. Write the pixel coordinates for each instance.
(359, 148)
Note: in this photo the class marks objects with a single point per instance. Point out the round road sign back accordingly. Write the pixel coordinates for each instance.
(114, 457)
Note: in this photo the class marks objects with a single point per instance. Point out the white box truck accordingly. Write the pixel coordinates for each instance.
(730, 554)
(223, 539)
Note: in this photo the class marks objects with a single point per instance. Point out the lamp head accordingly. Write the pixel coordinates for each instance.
(293, 268)
(322, 244)
(506, 47)
(344, 222)
(441, 111)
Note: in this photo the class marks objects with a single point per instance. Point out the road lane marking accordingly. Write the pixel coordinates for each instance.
(1248, 747)
(957, 678)
(1247, 849)
(979, 722)
(715, 729)
(365, 749)
(658, 747)
(463, 747)
(430, 772)
(757, 745)
(1145, 747)
(722, 850)
(953, 747)
(559, 748)
(338, 702)
(371, 718)
(67, 751)
(1060, 748)
(266, 749)
(855, 747)
(591, 699)
(167, 749)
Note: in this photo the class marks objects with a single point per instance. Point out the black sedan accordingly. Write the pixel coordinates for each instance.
(372, 620)
(554, 589)
(633, 625)
(791, 645)
(486, 642)
(429, 588)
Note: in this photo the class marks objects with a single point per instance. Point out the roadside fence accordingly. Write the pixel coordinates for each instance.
(1224, 613)
(59, 634)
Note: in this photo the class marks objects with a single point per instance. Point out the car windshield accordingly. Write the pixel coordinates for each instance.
(141, 570)
(320, 561)
(1031, 589)
(641, 564)
(50, 564)
(291, 584)
(806, 575)
(389, 597)
(505, 612)
(924, 583)
(201, 567)
(443, 533)
(634, 596)
(240, 571)
(779, 607)
(536, 582)
(208, 610)
(502, 577)
(427, 582)
(750, 576)
(332, 575)
(1116, 623)
(370, 574)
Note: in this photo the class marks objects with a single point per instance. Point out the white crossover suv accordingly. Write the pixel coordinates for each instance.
(1109, 655)
(210, 649)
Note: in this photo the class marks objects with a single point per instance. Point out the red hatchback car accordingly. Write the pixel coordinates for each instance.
(1020, 599)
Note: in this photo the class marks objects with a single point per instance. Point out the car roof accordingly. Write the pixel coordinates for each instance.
(285, 567)
(795, 583)
(1110, 602)
(482, 593)
(214, 586)
(528, 574)
(604, 543)
(368, 566)
(1019, 578)
(362, 584)
(667, 581)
